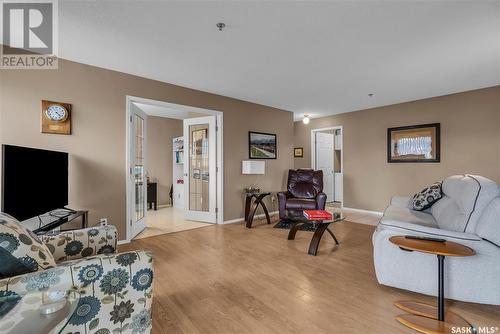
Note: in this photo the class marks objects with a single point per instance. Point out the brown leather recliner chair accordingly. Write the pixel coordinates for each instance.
(304, 191)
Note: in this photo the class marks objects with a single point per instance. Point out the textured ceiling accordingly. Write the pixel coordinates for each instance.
(308, 57)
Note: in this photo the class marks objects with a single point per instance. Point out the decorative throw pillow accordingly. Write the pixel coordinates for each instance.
(20, 249)
(427, 197)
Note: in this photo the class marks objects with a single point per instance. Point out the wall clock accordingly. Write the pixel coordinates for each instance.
(56, 117)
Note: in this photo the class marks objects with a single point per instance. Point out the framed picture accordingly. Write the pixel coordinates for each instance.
(298, 152)
(262, 145)
(415, 143)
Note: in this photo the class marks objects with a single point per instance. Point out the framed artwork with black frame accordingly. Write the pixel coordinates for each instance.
(414, 143)
(262, 145)
(298, 152)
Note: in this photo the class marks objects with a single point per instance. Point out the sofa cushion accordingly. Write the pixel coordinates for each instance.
(400, 214)
(488, 226)
(70, 245)
(404, 228)
(21, 249)
(465, 198)
(427, 197)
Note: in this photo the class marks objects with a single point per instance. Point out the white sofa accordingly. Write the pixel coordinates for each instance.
(468, 213)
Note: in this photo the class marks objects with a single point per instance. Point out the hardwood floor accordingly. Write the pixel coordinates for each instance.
(167, 220)
(228, 279)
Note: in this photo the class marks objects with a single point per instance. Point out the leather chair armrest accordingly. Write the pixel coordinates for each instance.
(282, 197)
(320, 201)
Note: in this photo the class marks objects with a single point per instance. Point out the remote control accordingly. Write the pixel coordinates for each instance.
(424, 238)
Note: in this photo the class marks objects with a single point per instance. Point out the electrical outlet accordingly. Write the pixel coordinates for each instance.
(104, 221)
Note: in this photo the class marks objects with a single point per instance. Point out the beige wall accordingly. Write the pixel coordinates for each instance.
(97, 145)
(470, 141)
(160, 133)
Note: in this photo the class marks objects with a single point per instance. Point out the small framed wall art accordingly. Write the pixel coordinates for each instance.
(298, 152)
(415, 143)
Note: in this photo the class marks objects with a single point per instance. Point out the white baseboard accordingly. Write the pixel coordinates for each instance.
(364, 223)
(378, 213)
(374, 213)
(123, 242)
(239, 220)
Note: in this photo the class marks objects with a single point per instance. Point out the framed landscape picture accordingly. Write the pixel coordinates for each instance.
(262, 145)
(415, 143)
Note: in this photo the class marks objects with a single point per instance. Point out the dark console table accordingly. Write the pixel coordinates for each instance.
(54, 219)
(253, 200)
(152, 195)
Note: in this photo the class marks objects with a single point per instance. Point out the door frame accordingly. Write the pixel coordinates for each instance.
(220, 153)
(313, 155)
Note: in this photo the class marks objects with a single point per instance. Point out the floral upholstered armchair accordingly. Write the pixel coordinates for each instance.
(115, 289)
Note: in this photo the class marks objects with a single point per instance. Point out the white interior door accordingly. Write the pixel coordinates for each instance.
(325, 161)
(200, 163)
(138, 131)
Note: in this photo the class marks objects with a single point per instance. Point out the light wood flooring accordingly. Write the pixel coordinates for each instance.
(228, 279)
(167, 220)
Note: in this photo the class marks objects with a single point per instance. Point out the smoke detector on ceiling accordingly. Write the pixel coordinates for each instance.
(221, 26)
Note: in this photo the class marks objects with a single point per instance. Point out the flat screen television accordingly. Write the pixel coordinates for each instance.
(34, 181)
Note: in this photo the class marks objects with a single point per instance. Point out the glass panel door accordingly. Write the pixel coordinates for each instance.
(199, 174)
(138, 169)
(200, 169)
(139, 174)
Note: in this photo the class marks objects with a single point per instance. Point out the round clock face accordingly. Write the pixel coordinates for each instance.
(56, 113)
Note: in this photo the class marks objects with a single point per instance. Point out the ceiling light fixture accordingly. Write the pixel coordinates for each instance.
(306, 119)
(221, 25)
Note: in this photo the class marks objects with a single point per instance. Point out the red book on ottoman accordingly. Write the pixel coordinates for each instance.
(317, 215)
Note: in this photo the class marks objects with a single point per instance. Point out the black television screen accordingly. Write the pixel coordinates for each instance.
(33, 181)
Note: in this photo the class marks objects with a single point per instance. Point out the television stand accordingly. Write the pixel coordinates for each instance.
(54, 219)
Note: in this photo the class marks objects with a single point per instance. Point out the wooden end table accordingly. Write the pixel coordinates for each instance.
(423, 317)
(252, 201)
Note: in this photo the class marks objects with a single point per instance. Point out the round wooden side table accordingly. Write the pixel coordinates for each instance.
(423, 317)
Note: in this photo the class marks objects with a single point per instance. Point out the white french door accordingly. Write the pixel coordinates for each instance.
(137, 172)
(325, 162)
(200, 166)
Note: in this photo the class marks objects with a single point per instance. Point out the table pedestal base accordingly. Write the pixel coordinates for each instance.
(424, 318)
(250, 208)
(318, 234)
